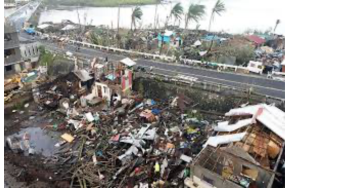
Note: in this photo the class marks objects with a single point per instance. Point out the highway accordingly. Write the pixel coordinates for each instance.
(259, 83)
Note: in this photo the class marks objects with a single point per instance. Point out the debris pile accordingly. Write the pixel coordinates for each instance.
(129, 141)
(111, 136)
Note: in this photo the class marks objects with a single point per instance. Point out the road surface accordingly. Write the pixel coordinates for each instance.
(259, 84)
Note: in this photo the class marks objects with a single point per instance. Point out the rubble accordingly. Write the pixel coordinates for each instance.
(111, 136)
(130, 142)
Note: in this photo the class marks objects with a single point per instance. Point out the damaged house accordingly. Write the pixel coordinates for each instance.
(114, 80)
(245, 152)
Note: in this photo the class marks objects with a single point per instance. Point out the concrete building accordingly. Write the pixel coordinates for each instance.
(246, 151)
(12, 55)
(30, 54)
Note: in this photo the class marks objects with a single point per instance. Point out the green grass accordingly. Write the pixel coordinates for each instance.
(101, 3)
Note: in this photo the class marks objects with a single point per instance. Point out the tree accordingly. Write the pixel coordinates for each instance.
(46, 57)
(277, 22)
(195, 13)
(176, 13)
(218, 9)
(136, 14)
(244, 55)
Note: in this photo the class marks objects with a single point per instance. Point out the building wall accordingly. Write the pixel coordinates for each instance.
(207, 167)
(11, 39)
(12, 53)
(217, 181)
(105, 90)
(30, 52)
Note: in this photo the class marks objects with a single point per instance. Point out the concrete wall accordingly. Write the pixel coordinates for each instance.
(209, 97)
(30, 52)
(262, 179)
(218, 181)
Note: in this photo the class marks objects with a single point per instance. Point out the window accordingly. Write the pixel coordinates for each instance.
(9, 52)
(8, 68)
(7, 37)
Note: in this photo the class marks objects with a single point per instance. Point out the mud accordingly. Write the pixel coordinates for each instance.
(30, 171)
(41, 140)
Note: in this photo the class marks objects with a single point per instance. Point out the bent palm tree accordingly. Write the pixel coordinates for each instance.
(135, 15)
(277, 22)
(176, 12)
(218, 9)
(195, 13)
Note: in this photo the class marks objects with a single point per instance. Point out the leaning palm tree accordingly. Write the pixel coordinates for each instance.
(218, 9)
(176, 13)
(195, 13)
(135, 15)
(277, 22)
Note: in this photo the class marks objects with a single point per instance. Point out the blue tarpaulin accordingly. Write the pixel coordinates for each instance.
(155, 111)
(212, 37)
(110, 77)
(30, 31)
(166, 39)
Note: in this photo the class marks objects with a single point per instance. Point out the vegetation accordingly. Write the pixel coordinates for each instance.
(243, 55)
(176, 13)
(277, 23)
(101, 3)
(218, 9)
(195, 13)
(46, 57)
(136, 15)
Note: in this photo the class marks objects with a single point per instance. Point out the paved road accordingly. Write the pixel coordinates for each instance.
(260, 84)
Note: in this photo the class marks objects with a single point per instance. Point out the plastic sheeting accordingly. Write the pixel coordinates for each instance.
(225, 139)
(225, 127)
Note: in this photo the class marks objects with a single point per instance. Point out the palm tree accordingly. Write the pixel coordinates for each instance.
(135, 15)
(155, 16)
(195, 13)
(218, 9)
(176, 13)
(277, 22)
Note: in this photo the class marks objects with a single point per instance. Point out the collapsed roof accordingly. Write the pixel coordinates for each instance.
(270, 116)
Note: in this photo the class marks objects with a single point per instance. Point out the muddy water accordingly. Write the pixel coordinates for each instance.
(240, 15)
(42, 141)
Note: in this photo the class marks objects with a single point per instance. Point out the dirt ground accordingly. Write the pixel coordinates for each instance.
(26, 171)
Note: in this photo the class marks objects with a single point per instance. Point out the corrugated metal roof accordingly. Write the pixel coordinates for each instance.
(270, 116)
(83, 75)
(256, 39)
(128, 62)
